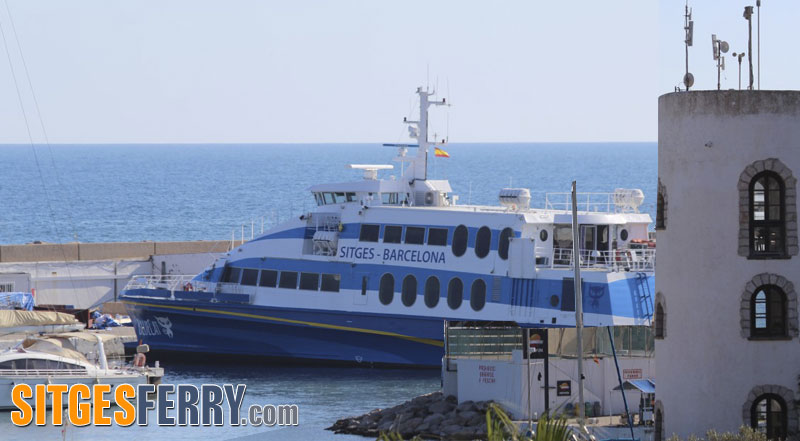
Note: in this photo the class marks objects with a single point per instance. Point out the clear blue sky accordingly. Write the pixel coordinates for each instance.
(345, 71)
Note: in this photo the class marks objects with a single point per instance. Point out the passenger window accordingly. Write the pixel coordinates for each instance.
(415, 235)
(309, 281)
(409, 295)
(392, 234)
(483, 242)
(386, 289)
(288, 280)
(233, 275)
(502, 245)
(369, 233)
(269, 278)
(455, 293)
(330, 282)
(249, 277)
(437, 236)
(460, 238)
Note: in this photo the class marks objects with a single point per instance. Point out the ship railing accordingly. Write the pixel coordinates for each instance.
(616, 260)
(588, 202)
(169, 282)
(43, 372)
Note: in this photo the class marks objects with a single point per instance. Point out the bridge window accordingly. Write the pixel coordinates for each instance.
(328, 198)
(288, 280)
(455, 293)
(415, 235)
(249, 277)
(409, 295)
(351, 197)
(767, 216)
(369, 233)
(386, 289)
(330, 282)
(432, 292)
(483, 242)
(309, 281)
(392, 234)
(269, 278)
(768, 313)
(437, 236)
(768, 415)
(390, 198)
(339, 198)
(504, 242)
(460, 239)
(477, 295)
(231, 274)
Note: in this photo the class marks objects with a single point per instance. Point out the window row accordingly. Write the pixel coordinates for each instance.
(431, 290)
(438, 236)
(328, 198)
(394, 234)
(483, 241)
(282, 279)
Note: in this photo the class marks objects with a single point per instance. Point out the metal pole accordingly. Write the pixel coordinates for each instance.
(528, 353)
(619, 377)
(576, 259)
(758, 16)
(547, 374)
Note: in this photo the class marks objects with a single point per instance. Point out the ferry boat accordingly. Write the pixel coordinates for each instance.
(374, 271)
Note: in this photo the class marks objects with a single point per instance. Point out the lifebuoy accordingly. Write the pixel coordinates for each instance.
(139, 360)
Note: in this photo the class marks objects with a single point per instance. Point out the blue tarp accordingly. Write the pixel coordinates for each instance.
(16, 300)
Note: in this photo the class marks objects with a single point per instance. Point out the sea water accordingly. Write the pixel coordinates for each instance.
(95, 193)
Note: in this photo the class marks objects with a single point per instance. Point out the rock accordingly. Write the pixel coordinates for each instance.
(466, 405)
(441, 407)
(385, 426)
(409, 426)
(476, 420)
(467, 414)
(449, 430)
(451, 399)
(434, 419)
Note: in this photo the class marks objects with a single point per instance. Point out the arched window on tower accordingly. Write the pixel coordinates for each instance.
(768, 313)
(767, 216)
(769, 416)
(660, 316)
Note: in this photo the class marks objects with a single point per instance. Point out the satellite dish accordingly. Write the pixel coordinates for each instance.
(723, 46)
(688, 80)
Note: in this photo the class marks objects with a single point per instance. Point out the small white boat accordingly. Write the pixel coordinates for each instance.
(46, 361)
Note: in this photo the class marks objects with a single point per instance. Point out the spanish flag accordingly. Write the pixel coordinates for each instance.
(440, 153)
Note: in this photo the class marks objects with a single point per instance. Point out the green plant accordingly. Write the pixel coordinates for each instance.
(745, 434)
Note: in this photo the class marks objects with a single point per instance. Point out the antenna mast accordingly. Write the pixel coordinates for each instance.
(688, 27)
(720, 47)
(419, 130)
(758, 16)
(748, 15)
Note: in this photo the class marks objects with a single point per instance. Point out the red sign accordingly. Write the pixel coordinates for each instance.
(631, 374)
(486, 374)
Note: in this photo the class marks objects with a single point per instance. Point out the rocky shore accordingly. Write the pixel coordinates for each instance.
(429, 416)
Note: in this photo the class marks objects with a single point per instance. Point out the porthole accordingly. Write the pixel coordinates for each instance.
(455, 293)
(623, 234)
(432, 292)
(543, 235)
(554, 301)
(482, 242)
(477, 295)
(460, 239)
(505, 240)
(386, 289)
(409, 295)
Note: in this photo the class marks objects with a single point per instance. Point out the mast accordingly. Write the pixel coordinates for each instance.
(419, 130)
(576, 259)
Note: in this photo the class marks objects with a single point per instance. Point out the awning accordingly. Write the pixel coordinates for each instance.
(647, 386)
